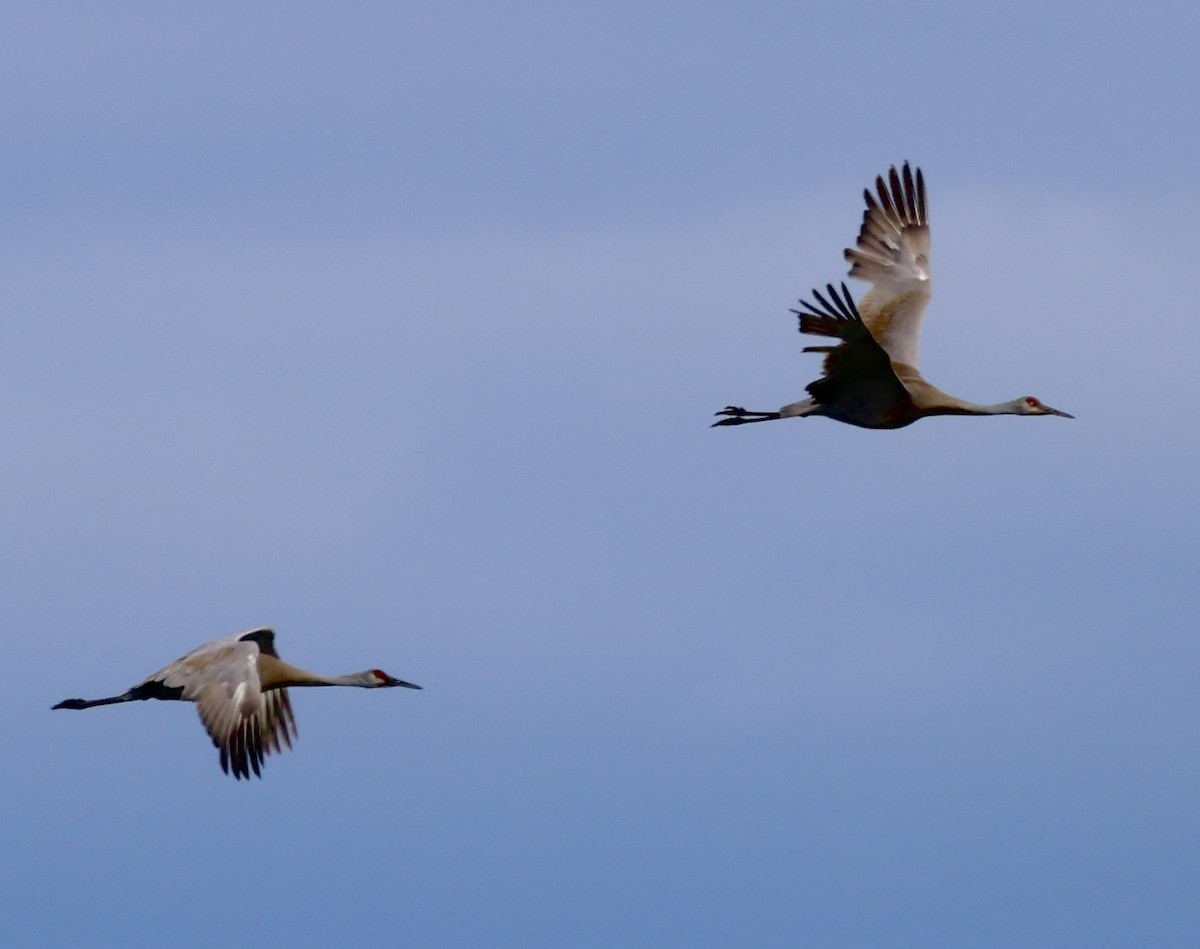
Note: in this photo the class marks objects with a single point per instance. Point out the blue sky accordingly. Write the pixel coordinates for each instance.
(400, 330)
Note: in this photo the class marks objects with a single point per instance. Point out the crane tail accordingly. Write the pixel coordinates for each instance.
(798, 409)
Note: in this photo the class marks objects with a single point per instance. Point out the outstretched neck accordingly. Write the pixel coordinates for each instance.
(953, 406)
(274, 673)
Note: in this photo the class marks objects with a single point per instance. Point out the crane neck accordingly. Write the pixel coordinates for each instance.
(951, 405)
(274, 673)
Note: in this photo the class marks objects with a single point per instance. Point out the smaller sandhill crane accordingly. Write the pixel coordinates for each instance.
(870, 378)
(239, 685)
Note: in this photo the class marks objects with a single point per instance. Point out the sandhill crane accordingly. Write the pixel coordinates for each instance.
(239, 685)
(870, 378)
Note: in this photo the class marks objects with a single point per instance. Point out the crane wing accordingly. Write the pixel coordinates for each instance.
(857, 372)
(221, 677)
(892, 253)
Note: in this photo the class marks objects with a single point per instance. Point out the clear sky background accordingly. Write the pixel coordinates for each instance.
(399, 328)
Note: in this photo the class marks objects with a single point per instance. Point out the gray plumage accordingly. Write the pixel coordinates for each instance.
(870, 378)
(239, 685)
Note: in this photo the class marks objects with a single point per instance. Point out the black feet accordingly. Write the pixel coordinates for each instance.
(736, 415)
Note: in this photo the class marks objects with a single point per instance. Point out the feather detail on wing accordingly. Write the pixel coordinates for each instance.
(248, 739)
(858, 364)
(245, 723)
(892, 253)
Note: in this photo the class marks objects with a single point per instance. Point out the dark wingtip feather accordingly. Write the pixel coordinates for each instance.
(897, 191)
(287, 719)
(851, 306)
(824, 303)
(839, 318)
(885, 199)
(910, 194)
(844, 303)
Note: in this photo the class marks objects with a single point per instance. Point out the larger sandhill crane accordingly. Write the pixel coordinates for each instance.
(870, 378)
(239, 685)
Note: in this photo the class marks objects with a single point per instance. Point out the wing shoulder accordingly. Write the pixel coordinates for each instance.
(262, 637)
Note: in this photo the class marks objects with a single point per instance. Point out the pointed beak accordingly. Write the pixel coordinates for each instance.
(402, 683)
(1050, 411)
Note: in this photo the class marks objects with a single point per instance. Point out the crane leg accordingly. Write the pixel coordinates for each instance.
(739, 416)
(92, 703)
(139, 693)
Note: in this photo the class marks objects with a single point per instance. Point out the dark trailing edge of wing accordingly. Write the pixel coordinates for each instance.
(839, 319)
(903, 197)
(897, 206)
(900, 204)
(244, 751)
(857, 357)
(247, 747)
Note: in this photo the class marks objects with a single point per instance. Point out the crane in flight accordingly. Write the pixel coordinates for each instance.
(871, 377)
(239, 685)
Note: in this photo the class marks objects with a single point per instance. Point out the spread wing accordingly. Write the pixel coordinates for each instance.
(221, 677)
(892, 253)
(857, 369)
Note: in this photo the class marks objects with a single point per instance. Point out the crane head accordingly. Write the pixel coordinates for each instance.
(378, 679)
(1031, 406)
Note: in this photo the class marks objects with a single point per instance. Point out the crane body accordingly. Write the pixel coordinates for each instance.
(239, 685)
(870, 378)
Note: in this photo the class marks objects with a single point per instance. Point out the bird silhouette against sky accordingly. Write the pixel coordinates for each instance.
(239, 685)
(870, 378)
